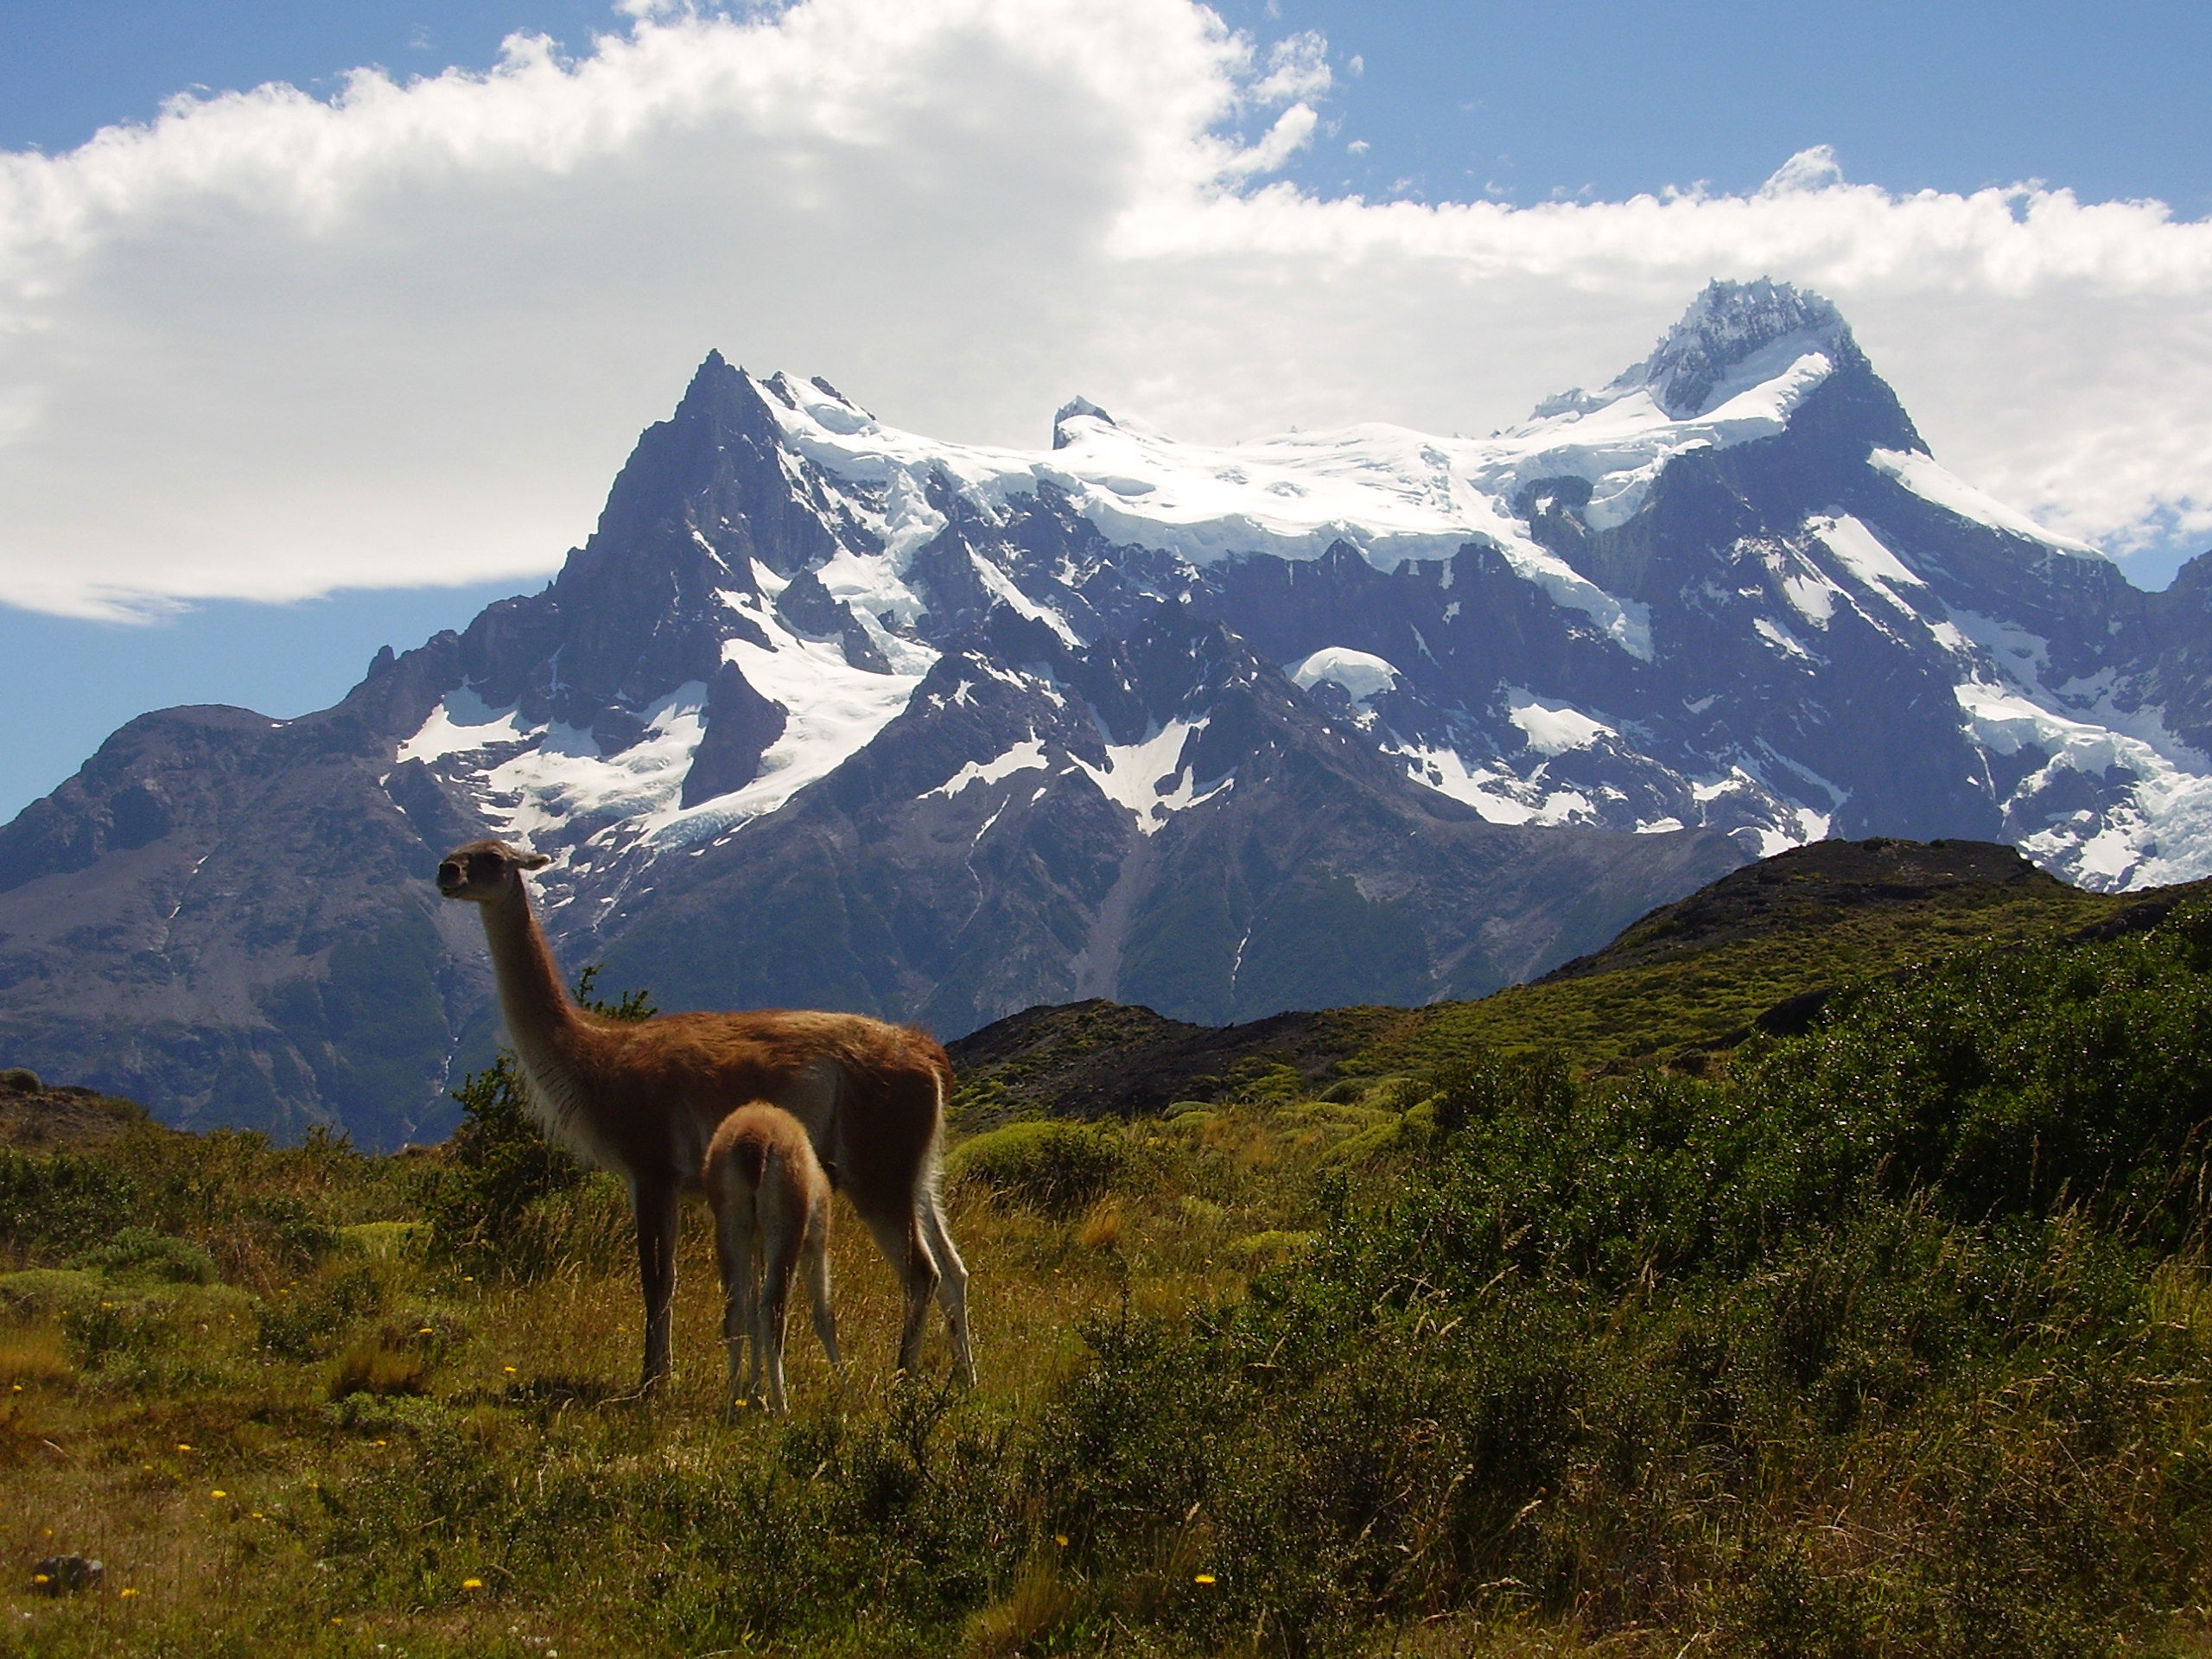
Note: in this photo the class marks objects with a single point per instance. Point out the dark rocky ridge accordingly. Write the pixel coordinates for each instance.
(1912, 902)
(1835, 875)
(67, 1118)
(1111, 1059)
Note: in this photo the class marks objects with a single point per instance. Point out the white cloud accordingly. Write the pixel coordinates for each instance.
(268, 346)
(1297, 67)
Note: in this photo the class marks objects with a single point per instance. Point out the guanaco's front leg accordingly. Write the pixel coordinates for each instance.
(653, 1201)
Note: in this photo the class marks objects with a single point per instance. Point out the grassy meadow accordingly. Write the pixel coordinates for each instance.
(1894, 1339)
(328, 1427)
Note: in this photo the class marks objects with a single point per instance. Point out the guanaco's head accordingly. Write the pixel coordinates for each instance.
(485, 870)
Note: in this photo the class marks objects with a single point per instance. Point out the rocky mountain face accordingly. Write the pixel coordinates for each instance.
(829, 714)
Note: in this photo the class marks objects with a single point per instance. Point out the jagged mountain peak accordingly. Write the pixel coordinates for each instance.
(1074, 408)
(710, 388)
(1728, 326)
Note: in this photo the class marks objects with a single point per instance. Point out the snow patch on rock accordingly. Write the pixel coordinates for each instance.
(1361, 674)
(1027, 756)
(1151, 776)
(563, 777)
(1554, 728)
(1932, 483)
(1862, 554)
(461, 724)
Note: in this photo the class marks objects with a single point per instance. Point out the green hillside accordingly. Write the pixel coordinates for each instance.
(1700, 974)
(1689, 981)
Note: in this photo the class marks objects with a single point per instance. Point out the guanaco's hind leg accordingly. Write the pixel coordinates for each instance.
(952, 1286)
(734, 1256)
(899, 1236)
(814, 1262)
(770, 1312)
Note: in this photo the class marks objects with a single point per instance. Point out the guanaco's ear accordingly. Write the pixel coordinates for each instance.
(533, 861)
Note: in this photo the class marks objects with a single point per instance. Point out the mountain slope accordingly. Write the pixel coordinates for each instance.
(1759, 950)
(828, 713)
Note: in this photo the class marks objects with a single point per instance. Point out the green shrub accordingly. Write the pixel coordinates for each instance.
(304, 1322)
(143, 1253)
(386, 1241)
(503, 1165)
(381, 1368)
(101, 1330)
(20, 1079)
(361, 1411)
(45, 1290)
(1051, 1165)
(259, 1210)
(1858, 1353)
(2019, 1082)
(55, 1203)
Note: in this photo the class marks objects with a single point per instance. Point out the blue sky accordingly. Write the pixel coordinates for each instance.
(1431, 104)
(1458, 98)
(1453, 96)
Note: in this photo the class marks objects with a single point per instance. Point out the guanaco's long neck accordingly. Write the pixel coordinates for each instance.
(540, 1018)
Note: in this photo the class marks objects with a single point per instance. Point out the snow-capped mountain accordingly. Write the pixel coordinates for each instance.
(825, 712)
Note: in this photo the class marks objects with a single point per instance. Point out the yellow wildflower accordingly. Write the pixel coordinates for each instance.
(472, 1584)
(1202, 1578)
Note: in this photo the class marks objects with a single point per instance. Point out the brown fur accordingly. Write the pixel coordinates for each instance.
(645, 1098)
(771, 1201)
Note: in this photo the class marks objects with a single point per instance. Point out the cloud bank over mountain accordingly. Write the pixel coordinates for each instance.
(269, 346)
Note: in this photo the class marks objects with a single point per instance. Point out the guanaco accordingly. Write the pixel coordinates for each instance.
(644, 1097)
(772, 1216)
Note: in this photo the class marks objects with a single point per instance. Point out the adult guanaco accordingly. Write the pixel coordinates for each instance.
(644, 1097)
(770, 1202)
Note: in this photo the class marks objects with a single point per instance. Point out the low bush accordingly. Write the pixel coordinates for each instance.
(100, 1331)
(498, 1203)
(142, 1253)
(1055, 1168)
(1863, 1353)
(52, 1203)
(381, 1368)
(305, 1321)
(45, 1290)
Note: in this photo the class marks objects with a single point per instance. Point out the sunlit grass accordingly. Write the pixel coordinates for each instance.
(189, 1436)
